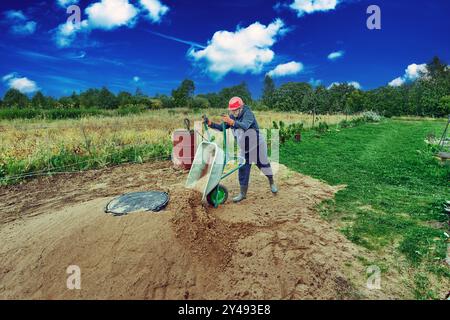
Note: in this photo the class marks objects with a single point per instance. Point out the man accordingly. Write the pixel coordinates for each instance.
(251, 143)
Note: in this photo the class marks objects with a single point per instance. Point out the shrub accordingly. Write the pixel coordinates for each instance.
(287, 132)
(371, 116)
(345, 124)
(199, 103)
(131, 109)
(156, 104)
(167, 102)
(55, 114)
(259, 106)
(52, 114)
(19, 113)
(322, 127)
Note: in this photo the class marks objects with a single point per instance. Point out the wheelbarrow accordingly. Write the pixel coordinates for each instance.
(208, 169)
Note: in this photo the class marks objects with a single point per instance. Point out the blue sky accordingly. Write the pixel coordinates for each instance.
(155, 44)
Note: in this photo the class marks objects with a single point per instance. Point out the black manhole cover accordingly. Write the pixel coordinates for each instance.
(137, 202)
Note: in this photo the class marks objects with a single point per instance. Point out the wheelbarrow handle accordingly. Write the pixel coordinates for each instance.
(241, 164)
(187, 124)
(205, 127)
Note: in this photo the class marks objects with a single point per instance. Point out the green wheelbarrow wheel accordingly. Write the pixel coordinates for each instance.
(218, 196)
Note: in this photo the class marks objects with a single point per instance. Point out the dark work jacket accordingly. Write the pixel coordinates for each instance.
(245, 122)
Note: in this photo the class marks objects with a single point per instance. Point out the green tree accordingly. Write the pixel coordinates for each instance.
(435, 86)
(309, 101)
(167, 102)
(38, 100)
(444, 106)
(75, 100)
(322, 100)
(437, 69)
(339, 94)
(356, 101)
(214, 99)
(240, 90)
(200, 103)
(107, 99)
(66, 102)
(15, 99)
(184, 94)
(124, 98)
(90, 98)
(50, 102)
(268, 91)
(290, 96)
(139, 96)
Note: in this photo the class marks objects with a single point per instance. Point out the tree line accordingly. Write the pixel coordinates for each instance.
(429, 95)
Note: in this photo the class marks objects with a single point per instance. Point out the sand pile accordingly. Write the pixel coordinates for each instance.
(269, 247)
(207, 237)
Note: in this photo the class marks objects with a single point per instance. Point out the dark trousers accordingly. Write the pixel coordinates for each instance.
(262, 162)
(244, 172)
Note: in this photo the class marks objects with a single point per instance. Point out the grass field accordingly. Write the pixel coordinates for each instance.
(392, 204)
(42, 146)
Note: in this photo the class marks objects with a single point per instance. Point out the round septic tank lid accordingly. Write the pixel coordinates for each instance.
(137, 202)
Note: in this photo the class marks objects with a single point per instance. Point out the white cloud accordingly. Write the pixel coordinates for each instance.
(110, 14)
(278, 6)
(412, 73)
(15, 15)
(286, 69)
(66, 33)
(19, 22)
(156, 10)
(397, 82)
(8, 76)
(23, 84)
(303, 7)
(66, 3)
(136, 79)
(242, 51)
(336, 55)
(24, 29)
(81, 55)
(106, 15)
(354, 84)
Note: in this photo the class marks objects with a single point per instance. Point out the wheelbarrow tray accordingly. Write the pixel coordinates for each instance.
(207, 168)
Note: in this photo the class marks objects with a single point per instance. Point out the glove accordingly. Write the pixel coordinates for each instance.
(206, 120)
(228, 120)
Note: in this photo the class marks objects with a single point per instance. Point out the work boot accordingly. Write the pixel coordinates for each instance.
(241, 196)
(273, 187)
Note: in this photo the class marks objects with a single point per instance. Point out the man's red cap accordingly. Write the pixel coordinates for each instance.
(235, 103)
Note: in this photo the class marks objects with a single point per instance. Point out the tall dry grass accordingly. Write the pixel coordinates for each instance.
(33, 143)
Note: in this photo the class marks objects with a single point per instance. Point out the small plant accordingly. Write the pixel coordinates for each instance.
(371, 116)
(345, 124)
(289, 131)
(2, 170)
(322, 127)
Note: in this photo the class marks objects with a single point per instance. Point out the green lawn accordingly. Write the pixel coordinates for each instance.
(395, 190)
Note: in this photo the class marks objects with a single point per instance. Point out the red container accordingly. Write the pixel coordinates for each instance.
(183, 151)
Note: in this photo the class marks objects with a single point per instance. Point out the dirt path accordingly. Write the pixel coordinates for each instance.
(267, 247)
